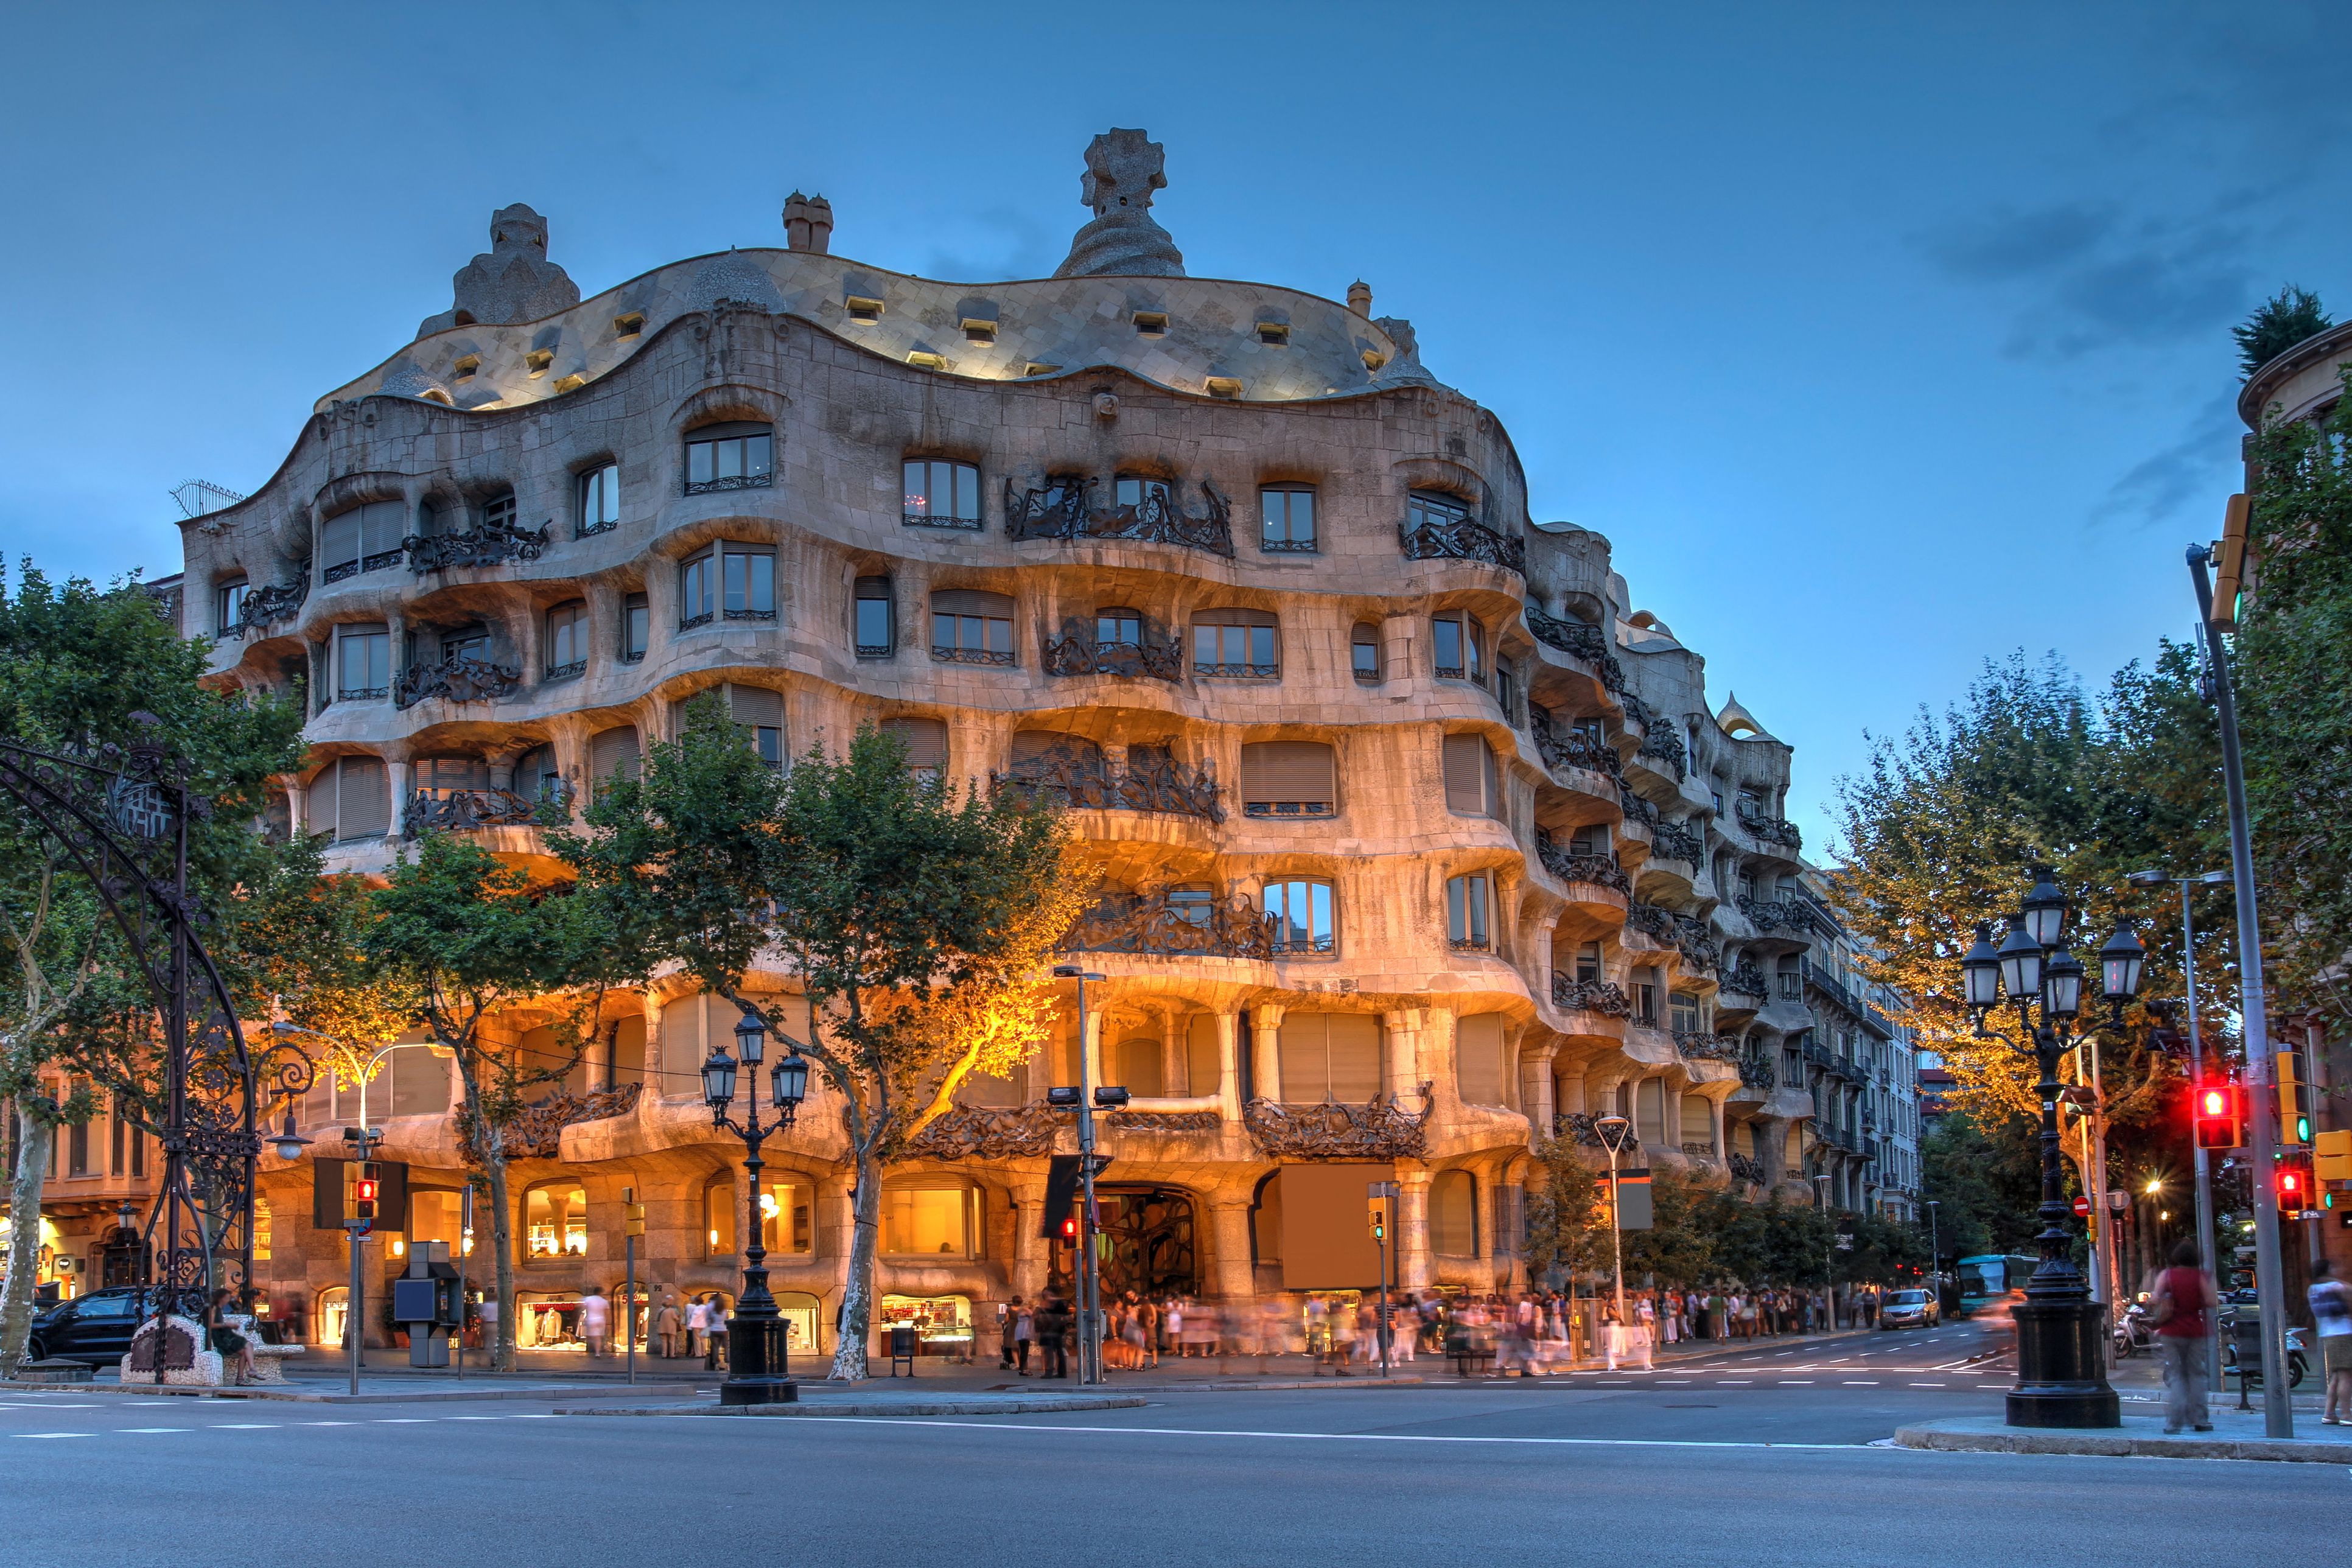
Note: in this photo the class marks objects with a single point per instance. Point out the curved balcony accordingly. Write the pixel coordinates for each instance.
(1084, 784)
(1076, 653)
(1163, 924)
(1461, 539)
(1604, 997)
(1066, 512)
(460, 677)
(1678, 841)
(470, 810)
(1579, 640)
(492, 545)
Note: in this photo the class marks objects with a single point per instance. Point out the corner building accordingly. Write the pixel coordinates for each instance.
(1418, 842)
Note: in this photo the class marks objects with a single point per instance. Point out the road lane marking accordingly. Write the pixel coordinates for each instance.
(1797, 1382)
(1333, 1437)
(149, 1429)
(1862, 1382)
(57, 1433)
(1931, 1386)
(1733, 1381)
(399, 1420)
(244, 1427)
(326, 1424)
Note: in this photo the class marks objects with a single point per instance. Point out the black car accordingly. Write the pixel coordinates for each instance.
(96, 1327)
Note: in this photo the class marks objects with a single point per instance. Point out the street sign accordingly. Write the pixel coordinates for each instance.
(2082, 1205)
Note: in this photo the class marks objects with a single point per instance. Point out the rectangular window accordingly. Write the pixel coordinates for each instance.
(1465, 913)
(1470, 787)
(1459, 643)
(788, 1216)
(362, 663)
(729, 457)
(600, 499)
(933, 1221)
(926, 741)
(1683, 1013)
(1436, 512)
(1119, 628)
(1301, 911)
(1650, 1110)
(228, 606)
(1289, 778)
(1287, 515)
(749, 578)
(1329, 1056)
(1645, 997)
(1137, 493)
(1506, 689)
(1364, 652)
(697, 591)
(363, 539)
(1237, 644)
(1588, 963)
(567, 640)
(942, 494)
(637, 626)
(875, 632)
(1478, 1058)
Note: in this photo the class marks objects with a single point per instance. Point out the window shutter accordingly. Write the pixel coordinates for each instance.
(1355, 1057)
(362, 805)
(755, 705)
(614, 751)
(1468, 766)
(1203, 1065)
(926, 741)
(327, 1194)
(1233, 617)
(1304, 1045)
(1478, 1058)
(380, 526)
(1289, 770)
(972, 602)
(339, 540)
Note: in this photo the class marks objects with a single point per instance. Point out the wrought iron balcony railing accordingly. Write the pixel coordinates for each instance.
(1699, 1151)
(1679, 841)
(1663, 744)
(1766, 828)
(1087, 786)
(1756, 1071)
(1161, 924)
(1461, 539)
(1601, 869)
(1076, 653)
(939, 519)
(461, 678)
(1747, 1168)
(1653, 920)
(489, 545)
(1578, 639)
(730, 482)
(1066, 512)
(275, 602)
(1748, 979)
(1382, 1130)
(1699, 1045)
(1602, 996)
(462, 810)
(1636, 807)
(1566, 746)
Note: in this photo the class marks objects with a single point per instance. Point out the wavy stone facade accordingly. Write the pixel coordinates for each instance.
(1527, 873)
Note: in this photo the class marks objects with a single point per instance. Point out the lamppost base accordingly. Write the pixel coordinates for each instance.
(2062, 1377)
(759, 1391)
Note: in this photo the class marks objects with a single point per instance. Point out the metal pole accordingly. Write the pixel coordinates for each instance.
(2095, 1142)
(629, 1309)
(2209, 1247)
(353, 1323)
(1089, 1281)
(2270, 1275)
(1617, 1237)
(465, 1241)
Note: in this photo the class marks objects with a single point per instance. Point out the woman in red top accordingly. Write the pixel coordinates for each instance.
(2183, 1303)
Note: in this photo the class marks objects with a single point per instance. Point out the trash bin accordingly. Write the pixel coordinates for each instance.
(902, 1348)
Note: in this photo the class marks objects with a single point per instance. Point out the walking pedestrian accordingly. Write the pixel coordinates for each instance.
(1053, 1322)
(234, 1349)
(596, 1322)
(714, 1358)
(667, 1322)
(2182, 1306)
(2331, 1310)
(1008, 1334)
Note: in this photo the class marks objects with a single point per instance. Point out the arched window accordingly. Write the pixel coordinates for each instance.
(1468, 903)
(1460, 646)
(738, 455)
(567, 640)
(969, 626)
(597, 500)
(1301, 908)
(788, 1216)
(1454, 1214)
(1238, 644)
(1471, 786)
(537, 777)
(363, 538)
(555, 1220)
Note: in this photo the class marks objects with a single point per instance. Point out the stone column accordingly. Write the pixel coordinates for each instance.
(1231, 1279)
(298, 797)
(1172, 1064)
(1569, 1099)
(395, 781)
(1229, 1071)
(1412, 1228)
(1418, 1038)
(1397, 638)
(1535, 1087)
(1029, 1258)
(1266, 1056)
(1092, 1045)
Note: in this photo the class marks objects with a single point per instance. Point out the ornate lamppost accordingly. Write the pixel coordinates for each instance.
(757, 1357)
(2060, 1332)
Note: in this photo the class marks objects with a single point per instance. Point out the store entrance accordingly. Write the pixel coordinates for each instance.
(1150, 1243)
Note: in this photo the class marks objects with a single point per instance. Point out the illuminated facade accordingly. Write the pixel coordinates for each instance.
(1418, 841)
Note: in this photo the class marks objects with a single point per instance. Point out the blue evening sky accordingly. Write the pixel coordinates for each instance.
(1879, 339)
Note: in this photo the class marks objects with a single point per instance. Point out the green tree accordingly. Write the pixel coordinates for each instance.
(478, 947)
(2276, 325)
(921, 921)
(84, 667)
(1566, 1208)
(1680, 1246)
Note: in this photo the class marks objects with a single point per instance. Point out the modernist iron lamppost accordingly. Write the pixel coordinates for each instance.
(2061, 1354)
(758, 1362)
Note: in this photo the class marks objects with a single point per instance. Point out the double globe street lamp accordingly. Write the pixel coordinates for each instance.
(2060, 1332)
(757, 1357)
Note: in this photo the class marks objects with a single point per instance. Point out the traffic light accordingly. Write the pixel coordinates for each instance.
(1070, 1228)
(2292, 1177)
(2218, 1109)
(2293, 1101)
(1377, 1211)
(364, 1188)
(2333, 1156)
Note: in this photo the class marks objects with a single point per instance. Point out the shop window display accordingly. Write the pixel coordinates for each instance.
(942, 1324)
(927, 1221)
(555, 1220)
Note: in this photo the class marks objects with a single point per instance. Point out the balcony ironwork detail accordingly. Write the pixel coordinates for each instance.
(1085, 783)
(730, 482)
(1566, 746)
(932, 520)
(1748, 979)
(1698, 1045)
(461, 678)
(1066, 512)
(275, 602)
(1756, 1071)
(1663, 744)
(462, 810)
(945, 655)
(987, 1132)
(1155, 925)
(537, 1130)
(1678, 841)
(1747, 1168)
(1578, 639)
(1599, 870)
(1381, 1128)
(489, 545)
(1699, 1151)
(1603, 996)
(1462, 539)
(1766, 828)
(1076, 652)
(1576, 1126)
(1635, 807)
(1653, 920)
(565, 671)
(1779, 914)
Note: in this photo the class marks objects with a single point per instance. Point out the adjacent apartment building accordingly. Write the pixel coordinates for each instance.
(1420, 841)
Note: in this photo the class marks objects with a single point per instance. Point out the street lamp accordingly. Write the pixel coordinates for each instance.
(758, 1359)
(2060, 1361)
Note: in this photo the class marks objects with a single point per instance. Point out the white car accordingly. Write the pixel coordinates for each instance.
(1909, 1310)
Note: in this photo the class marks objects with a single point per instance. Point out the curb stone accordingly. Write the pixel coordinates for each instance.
(869, 1407)
(2122, 1445)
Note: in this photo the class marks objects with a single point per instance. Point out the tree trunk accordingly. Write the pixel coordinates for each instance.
(857, 1295)
(493, 1167)
(34, 1138)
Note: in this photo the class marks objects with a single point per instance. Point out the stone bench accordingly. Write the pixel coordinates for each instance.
(188, 1362)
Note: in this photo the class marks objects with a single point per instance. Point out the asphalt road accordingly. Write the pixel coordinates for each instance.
(1751, 1459)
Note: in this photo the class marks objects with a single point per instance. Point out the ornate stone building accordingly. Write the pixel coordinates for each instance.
(1418, 840)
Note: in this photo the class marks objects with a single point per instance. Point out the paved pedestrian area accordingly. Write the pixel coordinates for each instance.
(2234, 1436)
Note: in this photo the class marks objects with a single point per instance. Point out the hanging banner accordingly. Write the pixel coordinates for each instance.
(1634, 1211)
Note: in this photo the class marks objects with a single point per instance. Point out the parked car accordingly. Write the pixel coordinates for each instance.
(1909, 1310)
(94, 1328)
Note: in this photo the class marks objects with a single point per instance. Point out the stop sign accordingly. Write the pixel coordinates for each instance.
(2082, 1207)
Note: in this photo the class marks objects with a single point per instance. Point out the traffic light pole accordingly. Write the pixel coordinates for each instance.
(2209, 1247)
(2262, 1131)
(1090, 1367)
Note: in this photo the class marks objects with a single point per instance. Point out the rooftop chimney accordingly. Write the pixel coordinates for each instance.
(808, 223)
(1359, 297)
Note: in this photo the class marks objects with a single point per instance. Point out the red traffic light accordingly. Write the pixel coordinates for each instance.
(364, 1190)
(2218, 1108)
(1070, 1228)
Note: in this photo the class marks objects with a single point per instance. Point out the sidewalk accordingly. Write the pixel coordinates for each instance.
(2234, 1436)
